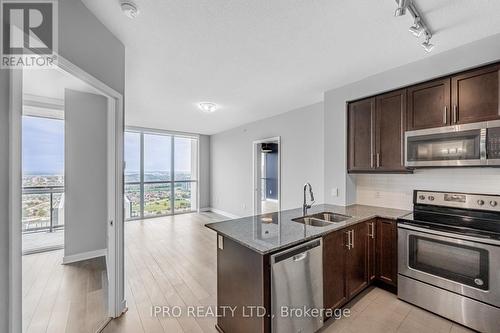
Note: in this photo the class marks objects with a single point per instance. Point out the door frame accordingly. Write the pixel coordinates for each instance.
(255, 173)
(115, 235)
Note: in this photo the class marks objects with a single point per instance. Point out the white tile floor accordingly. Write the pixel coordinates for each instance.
(378, 311)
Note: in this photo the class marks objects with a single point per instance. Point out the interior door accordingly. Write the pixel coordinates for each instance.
(429, 105)
(361, 128)
(476, 95)
(390, 120)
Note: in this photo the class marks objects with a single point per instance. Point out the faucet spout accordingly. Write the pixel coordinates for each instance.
(305, 205)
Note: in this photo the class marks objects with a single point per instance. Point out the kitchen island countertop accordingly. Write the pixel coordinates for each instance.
(271, 232)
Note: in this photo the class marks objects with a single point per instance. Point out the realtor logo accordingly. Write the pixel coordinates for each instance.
(29, 33)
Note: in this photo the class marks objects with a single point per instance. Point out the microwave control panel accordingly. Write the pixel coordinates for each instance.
(493, 143)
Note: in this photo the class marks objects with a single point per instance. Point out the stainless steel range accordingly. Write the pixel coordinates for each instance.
(449, 257)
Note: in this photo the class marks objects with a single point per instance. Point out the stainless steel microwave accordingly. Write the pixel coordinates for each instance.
(476, 144)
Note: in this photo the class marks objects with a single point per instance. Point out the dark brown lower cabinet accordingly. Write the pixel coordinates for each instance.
(387, 251)
(357, 256)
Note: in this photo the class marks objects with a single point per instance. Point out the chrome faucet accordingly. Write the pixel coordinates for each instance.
(305, 206)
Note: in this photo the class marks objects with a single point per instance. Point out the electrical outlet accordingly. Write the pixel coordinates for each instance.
(335, 192)
(378, 195)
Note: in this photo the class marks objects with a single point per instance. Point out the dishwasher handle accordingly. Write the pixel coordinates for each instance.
(297, 253)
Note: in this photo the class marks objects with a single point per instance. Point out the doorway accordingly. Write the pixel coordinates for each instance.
(267, 175)
(40, 282)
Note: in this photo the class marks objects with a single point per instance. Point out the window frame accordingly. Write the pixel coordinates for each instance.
(147, 131)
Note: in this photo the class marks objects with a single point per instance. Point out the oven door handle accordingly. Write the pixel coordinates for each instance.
(451, 235)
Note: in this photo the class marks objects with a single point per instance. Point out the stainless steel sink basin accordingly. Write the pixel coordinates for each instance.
(314, 222)
(330, 217)
(321, 219)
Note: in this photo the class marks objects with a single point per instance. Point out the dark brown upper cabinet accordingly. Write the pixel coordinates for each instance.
(390, 120)
(361, 141)
(429, 105)
(475, 95)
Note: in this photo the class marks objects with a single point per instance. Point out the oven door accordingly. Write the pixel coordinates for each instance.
(463, 265)
(459, 145)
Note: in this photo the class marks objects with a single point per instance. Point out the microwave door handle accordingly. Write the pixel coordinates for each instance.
(482, 145)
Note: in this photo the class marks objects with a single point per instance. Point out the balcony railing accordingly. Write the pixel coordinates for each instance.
(43, 208)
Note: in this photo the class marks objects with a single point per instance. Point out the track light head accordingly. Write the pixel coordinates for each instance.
(416, 29)
(402, 6)
(427, 45)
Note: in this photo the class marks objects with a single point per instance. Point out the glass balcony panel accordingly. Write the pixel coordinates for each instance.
(185, 197)
(132, 204)
(157, 199)
(36, 211)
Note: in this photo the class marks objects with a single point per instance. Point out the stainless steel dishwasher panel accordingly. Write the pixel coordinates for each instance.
(297, 288)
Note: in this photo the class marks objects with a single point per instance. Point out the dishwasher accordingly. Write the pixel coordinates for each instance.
(297, 285)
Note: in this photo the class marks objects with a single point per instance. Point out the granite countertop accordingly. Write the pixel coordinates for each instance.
(268, 233)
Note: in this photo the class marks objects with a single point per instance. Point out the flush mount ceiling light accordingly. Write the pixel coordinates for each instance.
(129, 8)
(427, 45)
(402, 6)
(419, 26)
(208, 107)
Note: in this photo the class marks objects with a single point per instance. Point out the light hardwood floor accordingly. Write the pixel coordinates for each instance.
(172, 261)
(63, 298)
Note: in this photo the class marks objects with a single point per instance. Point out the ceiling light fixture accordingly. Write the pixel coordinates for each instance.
(419, 26)
(208, 107)
(402, 6)
(129, 8)
(427, 45)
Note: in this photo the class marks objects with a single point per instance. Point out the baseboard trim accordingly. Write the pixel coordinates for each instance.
(221, 212)
(84, 256)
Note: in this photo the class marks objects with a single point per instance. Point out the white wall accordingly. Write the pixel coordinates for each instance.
(394, 189)
(4, 199)
(86, 173)
(302, 141)
(204, 181)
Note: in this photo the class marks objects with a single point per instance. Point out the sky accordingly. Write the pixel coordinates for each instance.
(43, 146)
(43, 149)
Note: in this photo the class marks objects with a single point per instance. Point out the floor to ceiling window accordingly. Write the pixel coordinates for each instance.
(161, 173)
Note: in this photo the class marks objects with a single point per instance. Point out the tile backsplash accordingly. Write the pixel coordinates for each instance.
(396, 191)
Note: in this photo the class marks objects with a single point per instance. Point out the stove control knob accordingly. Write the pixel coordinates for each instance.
(480, 202)
(493, 203)
(431, 198)
(422, 197)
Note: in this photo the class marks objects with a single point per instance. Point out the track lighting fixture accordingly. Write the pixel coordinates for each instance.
(402, 6)
(416, 29)
(427, 45)
(419, 27)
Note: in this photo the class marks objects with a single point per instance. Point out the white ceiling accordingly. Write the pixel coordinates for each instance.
(258, 58)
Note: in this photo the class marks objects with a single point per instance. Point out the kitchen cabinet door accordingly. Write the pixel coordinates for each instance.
(429, 105)
(389, 128)
(357, 265)
(387, 251)
(334, 265)
(360, 134)
(475, 95)
(371, 230)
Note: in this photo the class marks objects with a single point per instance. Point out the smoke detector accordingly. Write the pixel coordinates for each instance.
(129, 8)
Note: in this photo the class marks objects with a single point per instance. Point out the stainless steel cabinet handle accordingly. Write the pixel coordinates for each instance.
(455, 114)
(445, 115)
(371, 228)
(348, 245)
(378, 160)
(352, 239)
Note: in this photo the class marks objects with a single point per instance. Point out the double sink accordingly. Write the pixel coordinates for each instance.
(323, 219)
